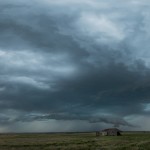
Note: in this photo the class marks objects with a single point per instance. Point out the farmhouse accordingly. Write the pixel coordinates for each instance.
(111, 132)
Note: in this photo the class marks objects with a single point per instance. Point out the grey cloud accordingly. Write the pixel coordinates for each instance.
(82, 61)
(101, 119)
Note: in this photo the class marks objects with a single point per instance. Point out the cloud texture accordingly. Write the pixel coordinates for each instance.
(84, 64)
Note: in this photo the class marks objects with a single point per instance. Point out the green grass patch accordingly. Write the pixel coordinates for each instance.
(75, 141)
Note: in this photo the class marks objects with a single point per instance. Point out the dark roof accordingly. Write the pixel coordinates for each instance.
(112, 129)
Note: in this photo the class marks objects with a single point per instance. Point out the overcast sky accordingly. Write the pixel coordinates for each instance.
(74, 65)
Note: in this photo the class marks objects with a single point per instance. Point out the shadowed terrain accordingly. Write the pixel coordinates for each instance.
(75, 141)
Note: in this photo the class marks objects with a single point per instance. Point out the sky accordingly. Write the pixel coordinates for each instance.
(74, 65)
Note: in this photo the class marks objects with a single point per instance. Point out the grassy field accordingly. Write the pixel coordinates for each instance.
(75, 141)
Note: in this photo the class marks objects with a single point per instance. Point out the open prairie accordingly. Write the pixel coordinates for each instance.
(75, 141)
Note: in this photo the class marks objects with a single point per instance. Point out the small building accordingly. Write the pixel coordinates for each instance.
(111, 132)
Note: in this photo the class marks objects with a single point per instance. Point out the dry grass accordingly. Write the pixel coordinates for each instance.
(75, 141)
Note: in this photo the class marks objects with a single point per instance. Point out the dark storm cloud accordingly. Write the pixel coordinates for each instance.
(28, 27)
(66, 117)
(74, 60)
(91, 119)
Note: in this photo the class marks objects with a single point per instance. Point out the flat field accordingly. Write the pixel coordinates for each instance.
(75, 141)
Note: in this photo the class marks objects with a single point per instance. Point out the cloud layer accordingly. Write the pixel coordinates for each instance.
(86, 62)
